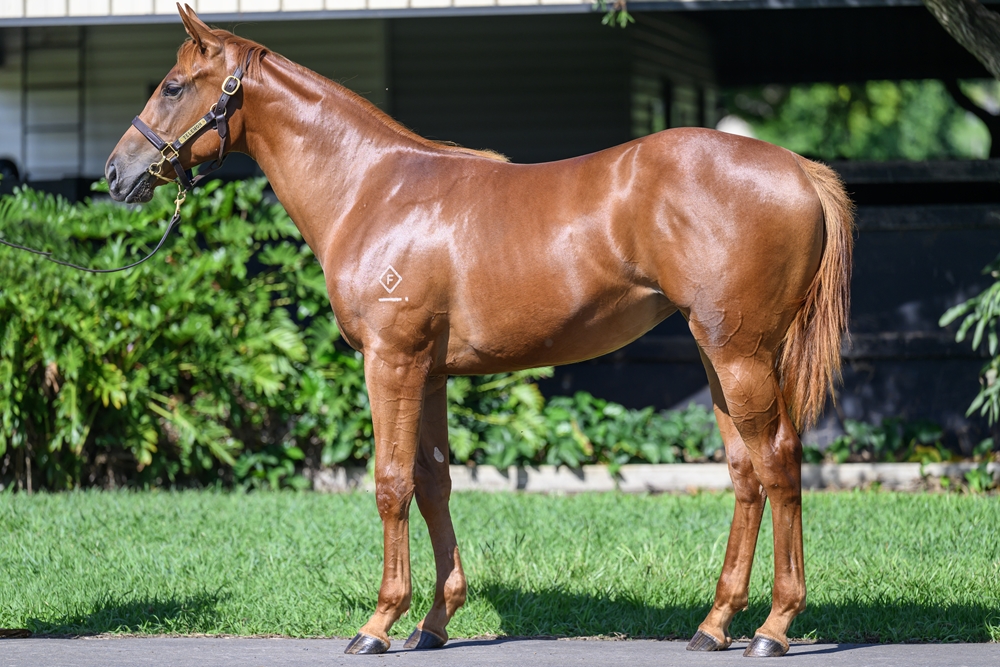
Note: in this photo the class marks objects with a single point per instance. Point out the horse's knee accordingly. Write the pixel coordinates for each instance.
(392, 496)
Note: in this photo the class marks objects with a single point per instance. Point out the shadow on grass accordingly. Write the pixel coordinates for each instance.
(556, 613)
(197, 613)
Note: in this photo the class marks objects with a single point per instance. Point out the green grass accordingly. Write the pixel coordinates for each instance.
(880, 566)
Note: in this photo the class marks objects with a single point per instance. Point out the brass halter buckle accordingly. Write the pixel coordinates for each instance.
(236, 85)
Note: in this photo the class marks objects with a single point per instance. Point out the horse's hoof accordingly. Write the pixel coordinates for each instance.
(366, 645)
(765, 647)
(424, 639)
(702, 641)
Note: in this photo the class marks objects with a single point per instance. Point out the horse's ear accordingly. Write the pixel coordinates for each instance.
(207, 42)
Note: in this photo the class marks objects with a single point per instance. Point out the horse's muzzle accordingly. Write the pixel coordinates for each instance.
(130, 188)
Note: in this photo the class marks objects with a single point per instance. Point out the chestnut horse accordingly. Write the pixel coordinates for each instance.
(442, 260)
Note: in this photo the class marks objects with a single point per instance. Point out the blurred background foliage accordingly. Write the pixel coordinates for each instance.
(874, 120)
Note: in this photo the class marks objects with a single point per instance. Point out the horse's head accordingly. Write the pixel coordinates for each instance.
(190, 89)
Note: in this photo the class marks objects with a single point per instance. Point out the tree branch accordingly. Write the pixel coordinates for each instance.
(992, 122)
(973, 26)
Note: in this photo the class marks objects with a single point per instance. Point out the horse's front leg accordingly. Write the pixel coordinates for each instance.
(396, 390)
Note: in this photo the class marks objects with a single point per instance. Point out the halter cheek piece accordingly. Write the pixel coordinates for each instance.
(217, 118)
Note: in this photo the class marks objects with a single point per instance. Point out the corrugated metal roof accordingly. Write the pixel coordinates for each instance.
(98, 12)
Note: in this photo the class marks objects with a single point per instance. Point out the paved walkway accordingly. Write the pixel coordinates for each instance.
(212, 652)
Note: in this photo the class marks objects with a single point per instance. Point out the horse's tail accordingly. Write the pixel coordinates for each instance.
(810, 355)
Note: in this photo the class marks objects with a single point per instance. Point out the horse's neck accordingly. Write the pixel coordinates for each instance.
(315, 142)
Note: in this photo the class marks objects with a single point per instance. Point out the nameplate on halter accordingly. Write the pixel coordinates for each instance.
(193, 130)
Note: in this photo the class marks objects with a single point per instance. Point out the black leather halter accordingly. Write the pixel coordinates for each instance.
(217, 118)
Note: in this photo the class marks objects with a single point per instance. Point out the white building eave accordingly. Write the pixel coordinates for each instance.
(28, 13)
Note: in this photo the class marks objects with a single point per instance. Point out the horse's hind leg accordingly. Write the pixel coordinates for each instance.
(747, 376)
(732, 591)
(433, 489)
(396, 389)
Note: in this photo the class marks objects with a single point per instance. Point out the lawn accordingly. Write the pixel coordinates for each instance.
(880, 566)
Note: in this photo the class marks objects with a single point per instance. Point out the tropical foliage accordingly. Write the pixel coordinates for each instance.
(980, 316)
(874, 120)
(216, 357)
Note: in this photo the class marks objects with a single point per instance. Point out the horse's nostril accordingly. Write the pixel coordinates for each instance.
(112, 175)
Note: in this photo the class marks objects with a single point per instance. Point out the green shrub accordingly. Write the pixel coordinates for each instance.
(216, 361)
(892, 440)
(871, 120)
(217, 356)
(504, 420)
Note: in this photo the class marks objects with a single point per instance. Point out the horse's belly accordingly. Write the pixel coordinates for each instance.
(528, 335)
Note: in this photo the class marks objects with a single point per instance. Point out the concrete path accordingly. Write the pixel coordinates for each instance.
(212, 652)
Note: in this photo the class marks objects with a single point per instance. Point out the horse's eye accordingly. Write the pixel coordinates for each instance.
(172, 90)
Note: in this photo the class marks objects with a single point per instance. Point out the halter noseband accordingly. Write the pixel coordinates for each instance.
(217, 118)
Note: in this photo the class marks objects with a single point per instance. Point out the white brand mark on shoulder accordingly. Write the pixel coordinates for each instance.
(390, 279)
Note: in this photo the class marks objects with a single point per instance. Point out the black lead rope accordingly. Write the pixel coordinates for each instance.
(48, 255)
(216, 118)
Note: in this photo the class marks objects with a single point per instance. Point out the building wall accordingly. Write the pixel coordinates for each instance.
(10, 95)
(673, 78)
(536, 89)
(148, 10)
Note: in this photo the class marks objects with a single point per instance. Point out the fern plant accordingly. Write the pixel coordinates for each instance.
(980, 316)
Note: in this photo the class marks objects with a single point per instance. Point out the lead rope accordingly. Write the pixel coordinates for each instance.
(181, 195)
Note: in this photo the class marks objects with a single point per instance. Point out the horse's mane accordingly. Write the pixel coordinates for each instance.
(253, 54)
